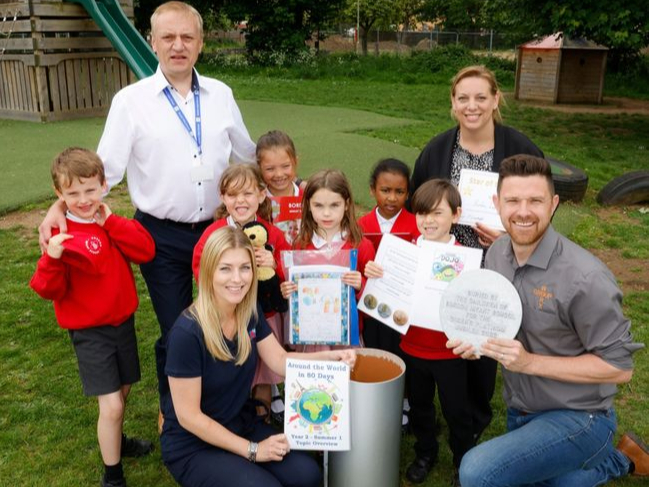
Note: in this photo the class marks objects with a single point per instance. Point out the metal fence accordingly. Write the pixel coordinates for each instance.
(380, 41)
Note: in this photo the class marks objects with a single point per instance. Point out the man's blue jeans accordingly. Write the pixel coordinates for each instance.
(564, 448)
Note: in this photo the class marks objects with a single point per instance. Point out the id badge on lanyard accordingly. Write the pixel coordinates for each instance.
(200, 172)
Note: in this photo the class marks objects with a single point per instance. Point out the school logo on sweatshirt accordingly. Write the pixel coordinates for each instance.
(93, 244)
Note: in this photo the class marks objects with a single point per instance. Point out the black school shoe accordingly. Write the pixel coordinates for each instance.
(135, 447)
(419, 469)
(115, 483)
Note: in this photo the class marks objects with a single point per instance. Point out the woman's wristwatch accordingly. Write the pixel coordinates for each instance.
(252, 451)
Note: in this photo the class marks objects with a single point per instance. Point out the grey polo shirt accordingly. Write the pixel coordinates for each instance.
(571, 306)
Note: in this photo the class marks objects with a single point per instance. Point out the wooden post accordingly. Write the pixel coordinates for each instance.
(600, 97)
(517, 83)
(557, 77)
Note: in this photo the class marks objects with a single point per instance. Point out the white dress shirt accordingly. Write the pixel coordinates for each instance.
(386, 224)
(145, 138)
(336, 243)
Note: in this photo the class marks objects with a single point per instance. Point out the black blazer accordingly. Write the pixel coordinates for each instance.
(435, 160)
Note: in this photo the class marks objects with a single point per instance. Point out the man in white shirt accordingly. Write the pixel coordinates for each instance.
(173, 134)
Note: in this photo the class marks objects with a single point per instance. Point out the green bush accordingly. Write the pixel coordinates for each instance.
(421, 67)
(437, 65)
(632, 81)
(445, 59)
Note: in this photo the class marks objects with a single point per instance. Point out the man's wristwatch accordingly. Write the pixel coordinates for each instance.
(252, 451)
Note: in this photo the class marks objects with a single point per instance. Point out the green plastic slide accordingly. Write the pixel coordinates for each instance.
(126, 40)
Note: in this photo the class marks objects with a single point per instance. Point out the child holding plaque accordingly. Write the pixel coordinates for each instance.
(328, 222)
(429, 364)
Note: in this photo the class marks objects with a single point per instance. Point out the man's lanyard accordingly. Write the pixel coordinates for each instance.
(197, 112)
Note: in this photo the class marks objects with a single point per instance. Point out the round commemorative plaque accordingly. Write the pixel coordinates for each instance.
(479, 305)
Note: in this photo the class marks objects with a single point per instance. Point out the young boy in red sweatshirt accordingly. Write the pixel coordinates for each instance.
(430, 366)
(86, 272)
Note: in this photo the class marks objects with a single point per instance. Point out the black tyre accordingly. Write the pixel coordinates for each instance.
(629, 189)
(570, 182)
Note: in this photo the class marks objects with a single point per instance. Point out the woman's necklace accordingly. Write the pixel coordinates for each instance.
(476, 146)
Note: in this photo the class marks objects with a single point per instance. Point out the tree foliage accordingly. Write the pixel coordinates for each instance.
(369, 14)
(281, 26)
(621, 25)
(463, 15)
(284, 25)
(408, 12)
(142, 12)
(211, 11)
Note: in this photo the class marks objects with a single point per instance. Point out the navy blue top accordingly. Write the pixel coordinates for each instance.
(225, 387)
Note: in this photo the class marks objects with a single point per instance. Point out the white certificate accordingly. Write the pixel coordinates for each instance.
(439, 265)
(414, 278)
(477, 189)
(389, 299)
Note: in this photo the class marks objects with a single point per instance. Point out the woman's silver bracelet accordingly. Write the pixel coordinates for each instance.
(252, 451)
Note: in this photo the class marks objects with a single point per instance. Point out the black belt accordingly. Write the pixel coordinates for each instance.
(140, 215)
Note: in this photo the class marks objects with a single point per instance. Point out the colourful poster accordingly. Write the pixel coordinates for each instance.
(319, 310)
(317, 405)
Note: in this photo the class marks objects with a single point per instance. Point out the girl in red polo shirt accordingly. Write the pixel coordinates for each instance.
(277, 159)
(243, 196)
(328, 222)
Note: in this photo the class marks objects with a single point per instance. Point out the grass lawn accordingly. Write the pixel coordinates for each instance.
(47, 428)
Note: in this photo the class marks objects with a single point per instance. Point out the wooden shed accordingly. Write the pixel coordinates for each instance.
(558, 69)
(55, 62)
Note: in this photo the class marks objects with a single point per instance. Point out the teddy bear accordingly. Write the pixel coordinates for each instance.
(268, 292)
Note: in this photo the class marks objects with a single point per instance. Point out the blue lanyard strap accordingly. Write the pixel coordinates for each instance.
(197, 112)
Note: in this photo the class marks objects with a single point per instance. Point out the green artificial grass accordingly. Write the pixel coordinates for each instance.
(27, 151)
(325, 135)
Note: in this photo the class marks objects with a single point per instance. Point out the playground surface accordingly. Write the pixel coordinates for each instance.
(324, 136)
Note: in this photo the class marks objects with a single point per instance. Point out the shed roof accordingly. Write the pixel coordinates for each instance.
(559, 41)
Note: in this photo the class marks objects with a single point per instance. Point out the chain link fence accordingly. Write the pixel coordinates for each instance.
(380, 41)
(390, 41)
